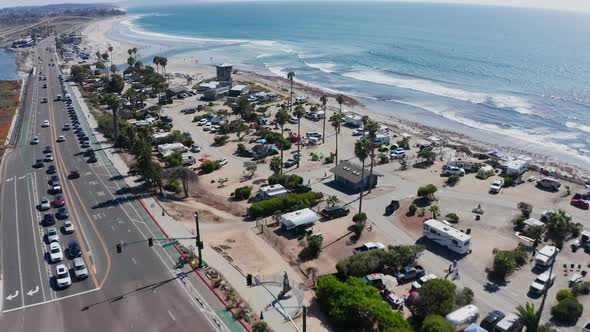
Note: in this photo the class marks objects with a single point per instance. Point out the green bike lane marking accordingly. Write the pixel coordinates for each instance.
(228, 319)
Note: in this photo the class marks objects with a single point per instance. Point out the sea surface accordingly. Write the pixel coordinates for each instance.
(7, 66)
(518, 77)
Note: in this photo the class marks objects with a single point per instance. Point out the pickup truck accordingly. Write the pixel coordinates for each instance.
(369, 246)
(409, 273)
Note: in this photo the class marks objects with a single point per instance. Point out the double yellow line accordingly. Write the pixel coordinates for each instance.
(63, 174)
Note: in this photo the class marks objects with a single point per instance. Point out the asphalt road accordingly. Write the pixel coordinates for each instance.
(138, 289)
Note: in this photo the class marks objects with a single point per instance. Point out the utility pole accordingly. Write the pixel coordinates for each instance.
(304, 318)
(198, 240)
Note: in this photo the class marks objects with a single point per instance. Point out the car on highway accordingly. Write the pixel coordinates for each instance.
(44, 101)
(35, 140)
(44, 86)
(51, 169)
(74, 250)
(68, 227)
(55, 252)
(66, 127)
(49, 157)
(45, 124)
(74, 174)
(92, 159)
(52, 235)
(85, 145)
(56, 189)
(44, 204)
(48, 220)
(61, 138)
(62, 276)
(48, 149)
(496, 186)
(80, 270)
(59, 201)
(62, 213)
(39, 163)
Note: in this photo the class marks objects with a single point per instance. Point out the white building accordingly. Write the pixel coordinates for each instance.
(300, 218)
(447, 236)
(271, 191)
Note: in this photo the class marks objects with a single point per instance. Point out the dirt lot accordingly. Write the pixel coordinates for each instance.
(9, 98)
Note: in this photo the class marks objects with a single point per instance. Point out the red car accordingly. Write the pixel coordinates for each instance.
(580, 203)
(59, 201)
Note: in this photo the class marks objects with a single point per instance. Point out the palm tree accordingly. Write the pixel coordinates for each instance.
(156, 61)
(340, 100)
(275, 165)
(299, 112)
(281, 119)
(324, 101)
(372, 127)
(130, 61)
(361, 150)
(114, 104)
(434, 209)
(105, 57)
(111, 54)
(164, 63)
(290, 77)
(332, 200)
(135, 53)
(336, 121)
(527, 315)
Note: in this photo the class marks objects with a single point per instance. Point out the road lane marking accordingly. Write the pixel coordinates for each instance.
(133, 259)
(33, 291)
(21, 177)
(8, 180)
(51, 301)
(36, 225)
(12, 296)
(171, 315)
(20, 271)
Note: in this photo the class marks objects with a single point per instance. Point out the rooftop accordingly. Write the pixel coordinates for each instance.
(445, 227)
(299, 218)
(351, 172)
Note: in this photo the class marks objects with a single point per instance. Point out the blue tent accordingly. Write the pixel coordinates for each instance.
(474, 328)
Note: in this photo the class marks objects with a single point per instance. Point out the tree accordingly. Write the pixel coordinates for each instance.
(299, 112)
(361, 151)
(427, 154)
(220, 140)
(324, 101)
(340, 101)
(332, 200)
(567, 310)
(185, 175)
(560, 228)
(275, 165)
(525, 208)
(281, 119)
(290, 77)
(372, 127)
(313, 248)
(437, 323)
(437, 297)
(434, 209)
(243, 192)
(251, 169)
(164, 63)
(174, 159)
(379, 261)
(114, 104)
(336, 121)
(116, 84)
(261, 326)
(464, 297)
(452, 217)
(504, 264)
(527, 315)
(427, 191)
(453, 179)
(209, 166)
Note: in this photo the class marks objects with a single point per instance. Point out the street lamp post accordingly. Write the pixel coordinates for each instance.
(198, 240)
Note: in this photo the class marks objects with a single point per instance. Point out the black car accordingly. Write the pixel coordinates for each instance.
(74, 174)
(48, 220)
(74, 250)
(54, 180)
(89, 152)
(62, 213)
(490, 321)
(92, 159)
(51, 169)
(39, 163)
(291, 162)
(48, 149)
(336, 211)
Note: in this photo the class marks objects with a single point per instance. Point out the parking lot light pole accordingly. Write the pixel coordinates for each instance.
(198, 240)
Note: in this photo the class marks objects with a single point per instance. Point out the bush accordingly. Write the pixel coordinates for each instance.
(404, 144)
(198, 118)
(582, 288)
(359, 217)
(567, 310)
(506, 261)
(453, 179)
(285, 203)
(427, 191)
(383, 158)
(173, 186)
(287, 181)
(453, 218)
(379, 261)
(437, 297)
(313, 248)
(209, 166)
(464, 297)
(412, 210)
(220, 140)
(241, 148)
(174, 159)
(508, 181)
(329, 159)
(563, 294)
(437, 323)
(243, 192)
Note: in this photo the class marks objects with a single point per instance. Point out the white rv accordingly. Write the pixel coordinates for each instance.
(447, 236)
(463, 317)
(545, 256)
(382, 140)
(167, 149)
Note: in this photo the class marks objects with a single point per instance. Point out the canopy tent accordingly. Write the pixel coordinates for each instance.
(317, 156)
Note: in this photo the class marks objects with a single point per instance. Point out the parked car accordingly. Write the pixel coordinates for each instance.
(496, 186)
(74, 250)
(580, 203)
(369, 246)
(80, 270)
(409, 273)
(62, 276)
(223, 162)
(542, 282)
(48, 220)
(453, 170)
(418, 283)
(490, 321)
(293, 120)
(291, 162)
(59, 201)
(336, 211)
(549, 183)
(68, 227)
(202, 122)
(39, 163)
(55, 252)
(44, 205)
(398, 154)
(52, 235)
(51, 169)
(196, 148)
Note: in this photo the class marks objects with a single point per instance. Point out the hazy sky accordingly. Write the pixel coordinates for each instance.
(573, 5)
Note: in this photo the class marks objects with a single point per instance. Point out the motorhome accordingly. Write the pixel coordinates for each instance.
(353, 120)
(463, 317)
(545, 256)
(167, 149)
(510, 323)
(300, 100)
(447, 236)
(271, 191)
(382, 140)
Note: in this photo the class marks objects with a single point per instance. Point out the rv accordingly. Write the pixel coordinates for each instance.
(510, 323)
(545, 256)
(271, 191)
(167, 149)
(382, 140)
(447, 236)
(300, 100)
(463, 317)
(353, 120)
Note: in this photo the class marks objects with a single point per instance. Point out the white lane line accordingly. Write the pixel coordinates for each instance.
(50, 301)
(36, 225)
(20, 271)
(171, 315)
(113, 228)
(133, 259)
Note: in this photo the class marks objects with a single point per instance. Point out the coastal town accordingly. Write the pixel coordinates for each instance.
(297, 208)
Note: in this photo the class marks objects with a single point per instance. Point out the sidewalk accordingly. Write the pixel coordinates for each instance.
(257, 297)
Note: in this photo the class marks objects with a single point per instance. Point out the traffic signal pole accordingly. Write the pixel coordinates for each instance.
(198, 240)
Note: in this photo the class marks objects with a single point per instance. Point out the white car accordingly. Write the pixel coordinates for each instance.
(496, 186)
(223, 162)
(418, 283)
(62, 276)
(68, 227)
(214, 129)
(49, 157)
(196, 148)
(207, 126)
(80, 270)
(44, 204)
(202, 122)
(398, 150)
(454, 171)
(358, 132)
(56, 189)
(61, 138)
(398, 154)
(45, 124)
(55, 252)
(35, 140)
(52, 235)
(293, 120)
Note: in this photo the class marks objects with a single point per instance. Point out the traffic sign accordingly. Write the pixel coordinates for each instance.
(170, 244)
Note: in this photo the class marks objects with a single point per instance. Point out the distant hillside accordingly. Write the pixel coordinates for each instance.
(31, 14)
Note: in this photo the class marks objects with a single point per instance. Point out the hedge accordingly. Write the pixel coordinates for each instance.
(287, 181)
(286, 203)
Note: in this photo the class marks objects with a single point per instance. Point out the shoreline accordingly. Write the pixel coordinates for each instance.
(100, 32)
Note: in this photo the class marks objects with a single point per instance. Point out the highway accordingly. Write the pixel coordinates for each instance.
(136, 290)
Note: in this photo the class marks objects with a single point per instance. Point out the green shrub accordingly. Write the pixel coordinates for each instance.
(379, 261)
(174, 159)
(404, 144)
(173, 186)
(437, 323)
(453, 179)
(329, 159)
(508, 181)
(582, 288)
(359, 217)
(287, 181)
(563, 294)
(243, 192)
(220, 140)
(313, 248)
(412, 210)
(567, 310)
(464, 297)
(427, 191)
(285, 203)
(198, 118)
(453, 218)
(209, 166)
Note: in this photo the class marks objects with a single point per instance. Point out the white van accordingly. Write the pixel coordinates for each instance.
(463, 317)
(510, 323)
(542, 283)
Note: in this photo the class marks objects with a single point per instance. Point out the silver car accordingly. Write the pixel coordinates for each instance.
(80, 269)
(44, 204)
(52, 235)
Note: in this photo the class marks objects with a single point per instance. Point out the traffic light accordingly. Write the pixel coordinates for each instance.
(249, 279)
(119, 248)
(150, 242)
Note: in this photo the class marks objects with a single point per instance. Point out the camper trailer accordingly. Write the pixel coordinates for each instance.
(447, 236)
(545, 256)
(463, 317)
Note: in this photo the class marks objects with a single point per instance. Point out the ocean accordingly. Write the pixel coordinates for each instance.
(513, 77)
(7, 66)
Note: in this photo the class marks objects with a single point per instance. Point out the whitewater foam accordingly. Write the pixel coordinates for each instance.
(578, 126)
(325, 67)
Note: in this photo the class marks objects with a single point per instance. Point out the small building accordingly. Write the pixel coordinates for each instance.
(214, 94)
(224, 72)
(349, 175)
(271, 191)
(207, 86)
(238, 90)
(299, 219)
(176, 90)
